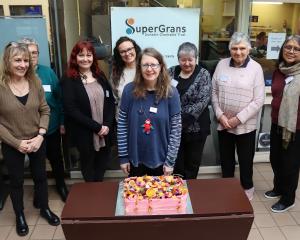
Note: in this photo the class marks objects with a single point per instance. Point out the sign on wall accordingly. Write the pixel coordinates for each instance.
(162, 28)
(275, 41)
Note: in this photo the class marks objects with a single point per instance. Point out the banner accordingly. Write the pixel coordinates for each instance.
(159, 27)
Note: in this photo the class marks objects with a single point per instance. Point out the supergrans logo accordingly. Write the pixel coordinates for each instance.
(159, 30)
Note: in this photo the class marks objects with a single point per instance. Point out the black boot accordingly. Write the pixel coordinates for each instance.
(51, 218)
(21, 225)
(63, 191)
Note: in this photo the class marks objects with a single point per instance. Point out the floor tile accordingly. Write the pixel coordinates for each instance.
(261, 185)
(59, 234)
(14, 236)
(254, 235)
(273, 233)
(7, 219)
(268, 175)
(263, 167)
(264, 220)
(283, 219)
(43, 232)
(259, 207)
(4, 232)
(296, 216)
(291, 232)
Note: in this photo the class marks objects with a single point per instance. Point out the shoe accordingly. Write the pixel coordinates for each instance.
(271, 194)
(63, 191)
(50, 216)
(21, 225)
(250, 193)
(280, 207)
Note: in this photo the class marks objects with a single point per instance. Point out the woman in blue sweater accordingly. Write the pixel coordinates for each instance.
(149, 123)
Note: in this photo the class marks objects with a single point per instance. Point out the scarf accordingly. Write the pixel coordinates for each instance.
(287, 117)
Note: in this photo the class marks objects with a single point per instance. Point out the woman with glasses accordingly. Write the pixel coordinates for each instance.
(237, 97)
(149, 124)
(193, 83)
(23, 124)
(285, 129)
(123, 66)
(89, 110)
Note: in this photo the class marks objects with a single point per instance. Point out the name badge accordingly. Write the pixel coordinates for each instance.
(174, 83)
(107, 93)
(289, 79)
(153, 109)
(47, 88)
(224, 78)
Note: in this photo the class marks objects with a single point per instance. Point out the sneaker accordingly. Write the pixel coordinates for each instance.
(280, 207)
(271, 194)
(250, 193)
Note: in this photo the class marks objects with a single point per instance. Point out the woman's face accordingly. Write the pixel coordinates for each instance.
(291, 52)
(84, 60)
(187, 62)
(33, 49)
(150, 69)
(127, 52)
(239, 53)
(19, 65)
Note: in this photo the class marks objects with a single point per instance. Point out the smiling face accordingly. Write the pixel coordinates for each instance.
(84, 60)
(239, 53)
(187, 62)
(150, 68)
(19, 65)
(127, 52)
(291, 52)
(34, 52)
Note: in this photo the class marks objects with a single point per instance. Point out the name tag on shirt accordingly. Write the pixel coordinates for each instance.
(224, 78)
(289, 79)
(174, 83)
(106, 93)
(47, 88)
(153, 109)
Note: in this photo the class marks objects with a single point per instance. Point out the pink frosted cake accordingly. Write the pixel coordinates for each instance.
(149, 195)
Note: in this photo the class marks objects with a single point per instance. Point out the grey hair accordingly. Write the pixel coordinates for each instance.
(187, 47)
(29, 41)
(239, 37)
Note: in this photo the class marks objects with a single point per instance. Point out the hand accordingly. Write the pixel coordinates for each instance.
(168, 170)
(62, 129)
(104, 131)
(35, 143)
(224, 122)
(234, 122)
(23, 148)
(125, 168)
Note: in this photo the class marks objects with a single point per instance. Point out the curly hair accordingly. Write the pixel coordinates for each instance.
(163, 84)
(11, 50)
(118, 64)
(73, 68)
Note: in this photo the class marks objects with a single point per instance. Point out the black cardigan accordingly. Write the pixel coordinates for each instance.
(78, 114)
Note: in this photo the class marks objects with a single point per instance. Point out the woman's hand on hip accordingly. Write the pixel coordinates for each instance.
(125, 168)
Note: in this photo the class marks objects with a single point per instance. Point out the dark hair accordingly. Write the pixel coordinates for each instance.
(292, 37)
(118, 64)
(73, 68)
(261, 36)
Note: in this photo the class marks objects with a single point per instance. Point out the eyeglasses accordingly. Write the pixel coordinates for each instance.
(290, 48)
(128, 50)
(152, 66)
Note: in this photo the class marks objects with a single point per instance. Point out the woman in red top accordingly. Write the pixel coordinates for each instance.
(285, 130)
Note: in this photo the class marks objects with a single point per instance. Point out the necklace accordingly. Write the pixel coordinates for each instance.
(84, 77)
(21, 90)
(147, 125)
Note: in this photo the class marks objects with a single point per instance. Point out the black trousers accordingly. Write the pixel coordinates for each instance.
(285, 164)
(189, 156)
(142, 170)
(14, 161)
(93, 163)
(54, 155)
(245, 148)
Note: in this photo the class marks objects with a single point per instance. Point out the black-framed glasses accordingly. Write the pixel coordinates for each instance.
(128, 50)
(290, 48)
(152, 66)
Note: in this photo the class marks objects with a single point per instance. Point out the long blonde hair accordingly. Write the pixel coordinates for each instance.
(11, 50)
(163, 84)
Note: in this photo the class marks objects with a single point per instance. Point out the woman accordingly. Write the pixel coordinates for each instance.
(237, 97)
(23, 124)
(89, 110)
(285, 129)
(149, 124)
(194, 86)
(56, 127)
(123, 66)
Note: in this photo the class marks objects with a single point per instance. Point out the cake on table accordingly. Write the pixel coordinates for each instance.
(154, 195)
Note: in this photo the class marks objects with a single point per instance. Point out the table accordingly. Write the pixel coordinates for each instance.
(221, 211)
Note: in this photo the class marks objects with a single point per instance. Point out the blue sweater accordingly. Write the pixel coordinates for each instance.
(160, 146)
(53, 96)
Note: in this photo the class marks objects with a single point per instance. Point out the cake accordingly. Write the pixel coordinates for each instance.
(154, 195)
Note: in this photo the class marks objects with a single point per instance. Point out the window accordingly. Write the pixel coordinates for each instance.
(26, 10)
(1, 11)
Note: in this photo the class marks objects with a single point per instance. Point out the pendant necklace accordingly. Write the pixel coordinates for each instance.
(147, 125)
(83, 77)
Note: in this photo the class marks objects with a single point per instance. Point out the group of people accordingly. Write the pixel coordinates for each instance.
(160, 115)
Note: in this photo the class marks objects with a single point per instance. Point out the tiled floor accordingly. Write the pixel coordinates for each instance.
(266, 226)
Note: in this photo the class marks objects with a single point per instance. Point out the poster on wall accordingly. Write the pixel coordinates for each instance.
(275, 41)
(156, 27)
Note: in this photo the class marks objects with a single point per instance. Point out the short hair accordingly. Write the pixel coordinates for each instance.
(295, 38)
(239, 37)
(29, 41)
(187, 47)
(261, 35)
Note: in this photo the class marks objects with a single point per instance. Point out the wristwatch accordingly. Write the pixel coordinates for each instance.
(41, 134)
